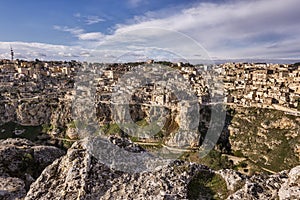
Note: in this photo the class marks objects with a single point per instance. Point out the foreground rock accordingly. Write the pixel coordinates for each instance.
(284, 185)
(79, 175)
(21, 162)
(12, 188)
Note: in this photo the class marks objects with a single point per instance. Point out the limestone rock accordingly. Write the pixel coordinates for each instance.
(11, 188)
(80, 175)
(290, 189)
(72, 133)
(21, 162)
(284, 185)
(233, 179)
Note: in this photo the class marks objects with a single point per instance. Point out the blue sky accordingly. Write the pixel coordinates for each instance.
(65, 30)
(33, 21)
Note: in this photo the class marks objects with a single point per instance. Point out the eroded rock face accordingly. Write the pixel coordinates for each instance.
(12, 188)
(284, 185)
(290, 189)
(79, 175)
(21, 162)
(33, 112)
(26, 113)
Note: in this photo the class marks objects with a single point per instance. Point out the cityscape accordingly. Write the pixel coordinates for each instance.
(111, 109)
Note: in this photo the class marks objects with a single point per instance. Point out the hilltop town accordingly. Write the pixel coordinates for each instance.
(46, 93)
(261, 84)
(24, 80)
(48, 103)
(245, 84)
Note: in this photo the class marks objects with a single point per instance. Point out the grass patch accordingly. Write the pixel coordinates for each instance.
(72, 124)
(111, 129)
(8, 130)
(46, 128)
(207, 185)
(238, 153)
(67, 143)
(213, 159)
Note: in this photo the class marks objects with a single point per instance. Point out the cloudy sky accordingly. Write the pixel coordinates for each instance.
(109, 30)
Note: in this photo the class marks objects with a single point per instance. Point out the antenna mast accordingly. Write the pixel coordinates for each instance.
(12, 53)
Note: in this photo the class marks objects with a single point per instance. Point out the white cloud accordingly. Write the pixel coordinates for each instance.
(235, 28)
(89, 19)
(91, 36)
(73, 31)
(80, 33)
(93, 20)
(42, 51)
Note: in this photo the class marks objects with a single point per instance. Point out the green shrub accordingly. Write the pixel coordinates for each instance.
(207, 185)
(238, 153)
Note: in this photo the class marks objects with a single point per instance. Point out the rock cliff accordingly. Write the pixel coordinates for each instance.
(79, 175)
(266, 138)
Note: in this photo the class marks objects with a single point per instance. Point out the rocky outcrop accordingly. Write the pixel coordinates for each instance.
(35, 112)
(61, 113)
(290, 189)
(12, 188)
(284, 185)
(80, 175)
(21, 162)
(30, 112)
(234, 180)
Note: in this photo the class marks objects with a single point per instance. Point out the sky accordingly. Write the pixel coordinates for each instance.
(115, 30)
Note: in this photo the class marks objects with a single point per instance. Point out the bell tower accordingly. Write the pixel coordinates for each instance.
(12, 53)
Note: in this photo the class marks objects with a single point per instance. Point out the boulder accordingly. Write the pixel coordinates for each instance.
(80, 175)
(21, 162)
(12, 188)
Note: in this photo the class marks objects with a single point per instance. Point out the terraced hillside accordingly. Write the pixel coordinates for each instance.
(267, 139)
